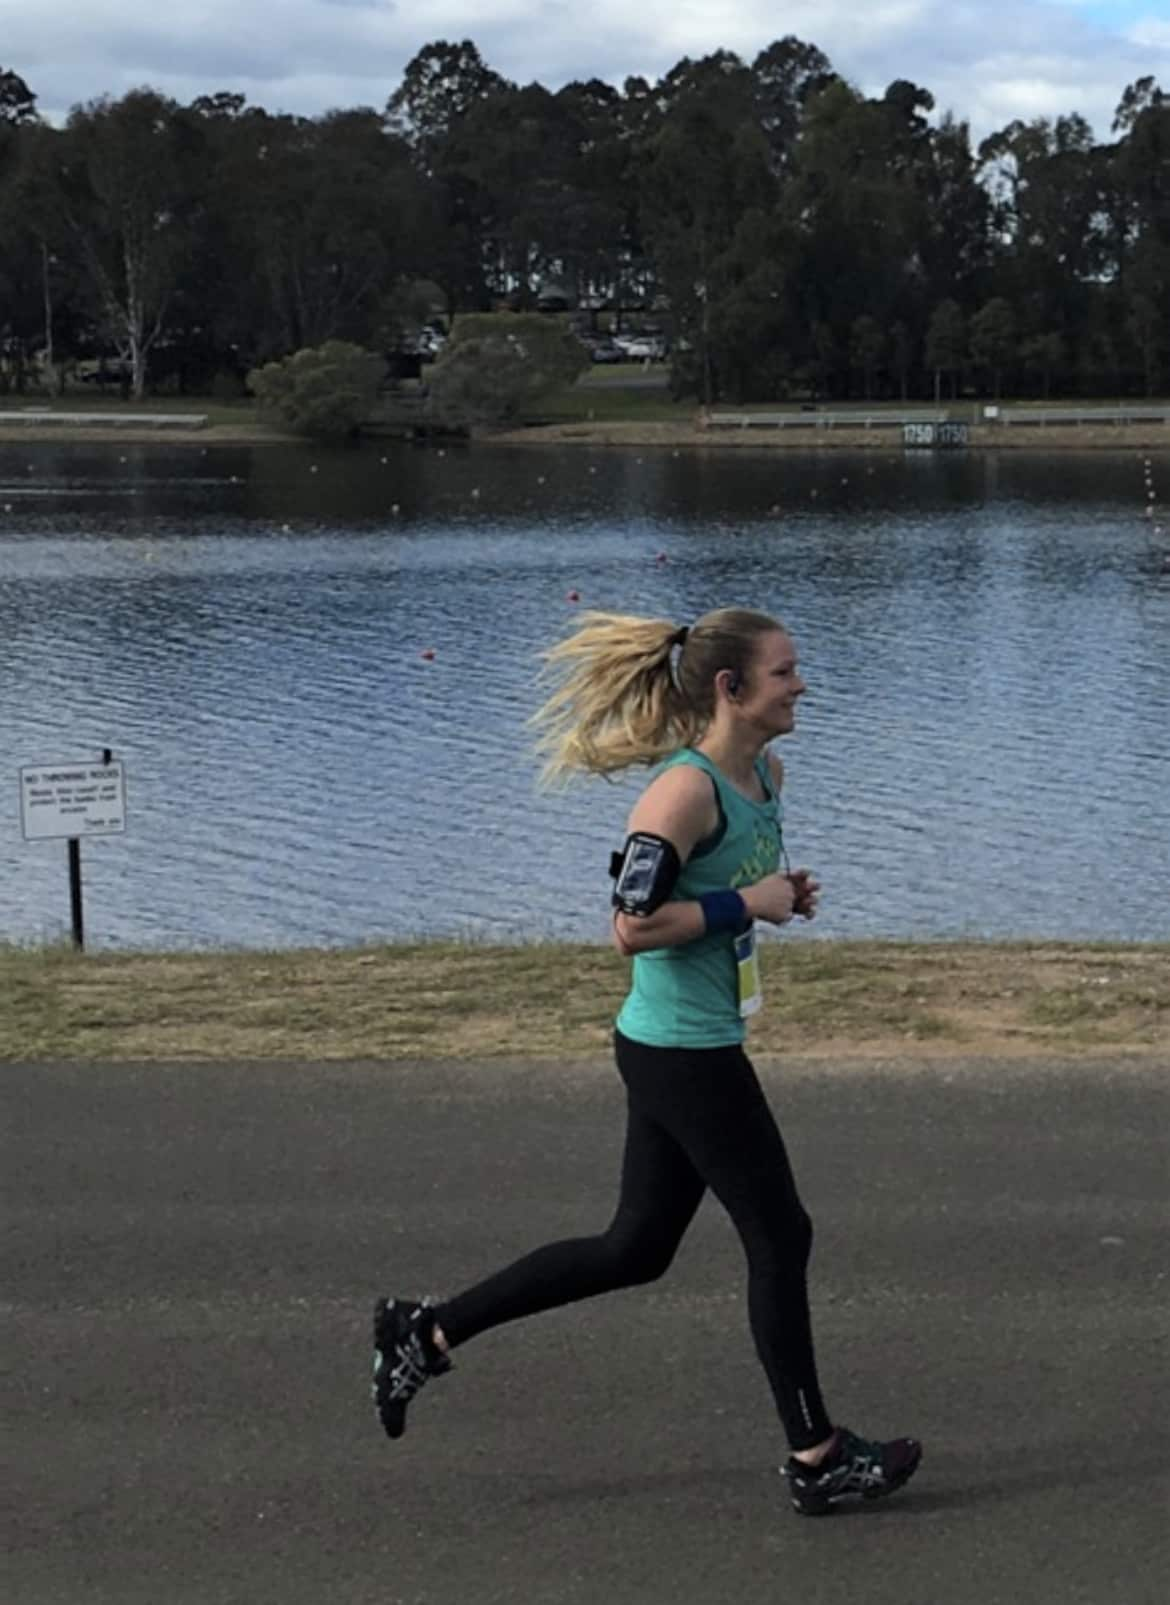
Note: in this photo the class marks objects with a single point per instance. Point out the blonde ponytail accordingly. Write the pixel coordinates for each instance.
(617, 703)
(621, 702)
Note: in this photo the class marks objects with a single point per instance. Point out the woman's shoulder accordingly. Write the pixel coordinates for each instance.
(684, 771)
(687, 758)
(680, 796)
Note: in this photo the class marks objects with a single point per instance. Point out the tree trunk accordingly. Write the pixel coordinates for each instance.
(48, 315)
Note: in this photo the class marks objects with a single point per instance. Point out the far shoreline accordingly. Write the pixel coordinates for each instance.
(621, 434)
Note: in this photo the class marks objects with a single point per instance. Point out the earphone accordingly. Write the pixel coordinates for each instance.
(734, 684)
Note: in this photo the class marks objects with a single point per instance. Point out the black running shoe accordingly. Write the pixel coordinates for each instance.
(405, 1358)
(854, 1468)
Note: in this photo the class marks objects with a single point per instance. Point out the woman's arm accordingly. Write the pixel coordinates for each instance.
(680, 806)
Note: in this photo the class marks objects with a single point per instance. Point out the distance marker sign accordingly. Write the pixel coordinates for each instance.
(83, 798)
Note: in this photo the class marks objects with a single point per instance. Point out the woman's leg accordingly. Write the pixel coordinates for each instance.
(660, 1192)
(711, 1102)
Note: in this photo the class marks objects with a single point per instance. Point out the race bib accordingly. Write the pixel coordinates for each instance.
(747, 964)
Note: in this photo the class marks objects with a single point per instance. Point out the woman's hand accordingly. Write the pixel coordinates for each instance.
(772, 899)
(806, 893)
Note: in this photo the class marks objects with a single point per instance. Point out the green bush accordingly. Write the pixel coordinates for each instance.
(497, 367)
(326, 391)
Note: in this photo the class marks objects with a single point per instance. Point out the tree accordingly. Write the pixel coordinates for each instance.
(327, 392)
(867, 349)
(704, 170)
(18, 104)
(946, 343)
(1144, 325)
(785, 75)
(1044, 355)
(993, 339)
(432, 108)
(901, 356)
(129, 188)
(496, 367)
(440, 86)
(42, 300)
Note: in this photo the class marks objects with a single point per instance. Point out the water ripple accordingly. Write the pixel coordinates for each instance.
(983, 750)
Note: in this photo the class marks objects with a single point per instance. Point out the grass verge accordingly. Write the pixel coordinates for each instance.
(473, 1001)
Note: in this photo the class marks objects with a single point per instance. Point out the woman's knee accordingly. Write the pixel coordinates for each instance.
(638, 1254)
(779, 1242)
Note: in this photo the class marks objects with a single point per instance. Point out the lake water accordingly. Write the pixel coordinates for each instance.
(984, 749)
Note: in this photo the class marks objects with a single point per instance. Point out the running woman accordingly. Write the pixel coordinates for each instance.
(703, 862)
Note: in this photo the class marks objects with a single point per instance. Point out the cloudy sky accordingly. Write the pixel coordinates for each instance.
(986, 60)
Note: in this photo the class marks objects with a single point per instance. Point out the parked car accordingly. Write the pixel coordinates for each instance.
(644, 350)
(606, 351)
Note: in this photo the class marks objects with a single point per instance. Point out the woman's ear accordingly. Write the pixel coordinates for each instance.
(730, 680)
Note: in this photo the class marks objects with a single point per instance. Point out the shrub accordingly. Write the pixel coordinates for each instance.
(496, 367)
(326, 391)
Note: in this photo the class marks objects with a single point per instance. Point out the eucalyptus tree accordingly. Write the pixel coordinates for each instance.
(43, 302)
(856, 201)
(129, 188)
(1141, 180)
(1044, 178)
(432, 110)
(785, 75)
(705, 170)
(993, 341)
(18, 104)
(946, 345)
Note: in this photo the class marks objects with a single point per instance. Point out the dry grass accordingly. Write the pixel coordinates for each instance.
(450, 1000)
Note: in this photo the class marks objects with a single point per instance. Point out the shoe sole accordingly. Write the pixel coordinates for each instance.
(825, 1507)
(391, 1414)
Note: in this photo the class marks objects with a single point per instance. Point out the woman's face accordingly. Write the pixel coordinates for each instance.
(768, 699)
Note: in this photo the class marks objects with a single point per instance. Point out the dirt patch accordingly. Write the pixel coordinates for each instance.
(1056, 437)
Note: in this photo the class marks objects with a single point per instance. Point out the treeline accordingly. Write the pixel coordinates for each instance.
(786, 234)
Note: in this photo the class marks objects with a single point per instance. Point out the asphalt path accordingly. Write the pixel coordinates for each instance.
(192, 1253)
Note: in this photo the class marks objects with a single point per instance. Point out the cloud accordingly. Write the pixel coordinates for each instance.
(1152, 33)
(987, 62)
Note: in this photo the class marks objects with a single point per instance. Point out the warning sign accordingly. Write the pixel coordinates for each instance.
(81, 798)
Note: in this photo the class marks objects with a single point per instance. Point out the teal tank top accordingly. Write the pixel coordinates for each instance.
(688, 997)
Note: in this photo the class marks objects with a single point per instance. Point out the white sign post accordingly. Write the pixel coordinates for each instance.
(69, 800)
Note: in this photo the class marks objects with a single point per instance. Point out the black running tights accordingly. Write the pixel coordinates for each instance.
(698, 1118)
